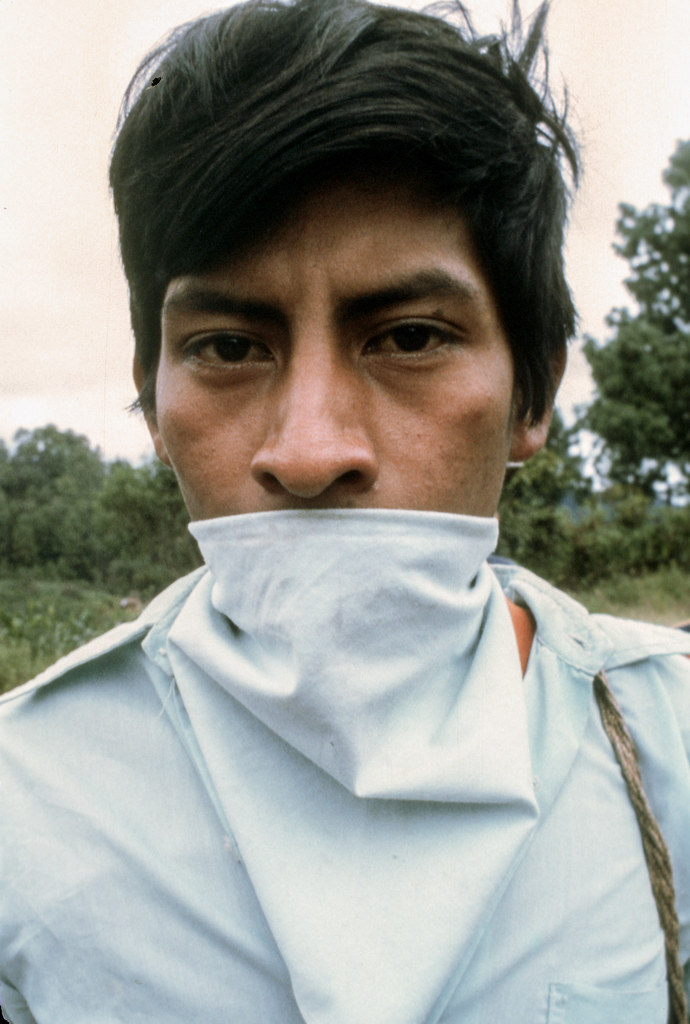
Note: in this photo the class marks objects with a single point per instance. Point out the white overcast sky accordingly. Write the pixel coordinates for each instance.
(66, 344)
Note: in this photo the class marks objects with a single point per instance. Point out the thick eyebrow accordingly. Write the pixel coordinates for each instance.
(433, 282)
(196, 298)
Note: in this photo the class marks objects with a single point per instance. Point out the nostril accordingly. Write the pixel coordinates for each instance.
(308, 468)
(352, 476)
(271, 483)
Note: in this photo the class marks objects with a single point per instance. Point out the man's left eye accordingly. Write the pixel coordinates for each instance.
(409, 338)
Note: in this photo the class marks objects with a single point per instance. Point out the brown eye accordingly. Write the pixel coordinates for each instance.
(411, 337)
(225, 348)
(229, 347)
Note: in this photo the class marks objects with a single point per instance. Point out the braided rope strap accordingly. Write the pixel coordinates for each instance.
(655, 849)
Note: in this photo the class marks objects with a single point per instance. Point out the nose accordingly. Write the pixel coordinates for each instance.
(317, 445)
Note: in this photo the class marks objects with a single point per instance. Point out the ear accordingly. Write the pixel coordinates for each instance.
(150, 414)
(529, 438)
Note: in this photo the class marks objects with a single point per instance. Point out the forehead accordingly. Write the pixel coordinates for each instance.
(351, 236)
(356, 205)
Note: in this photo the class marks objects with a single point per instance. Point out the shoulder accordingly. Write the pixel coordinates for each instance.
(93, 717)
(90, 659)
(591, 641)
(647, 666)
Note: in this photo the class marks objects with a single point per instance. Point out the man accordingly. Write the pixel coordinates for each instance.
(347, 773)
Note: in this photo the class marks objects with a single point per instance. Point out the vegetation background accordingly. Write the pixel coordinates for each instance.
(84, 543)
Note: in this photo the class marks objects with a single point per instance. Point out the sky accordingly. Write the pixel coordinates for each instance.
(65, 340)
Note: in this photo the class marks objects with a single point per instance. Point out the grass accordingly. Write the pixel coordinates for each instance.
(41, 621)
(662, 596)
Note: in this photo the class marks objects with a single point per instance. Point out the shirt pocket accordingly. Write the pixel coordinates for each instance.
(586, 1004)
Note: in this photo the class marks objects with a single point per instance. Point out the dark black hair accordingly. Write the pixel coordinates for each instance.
(233, 113)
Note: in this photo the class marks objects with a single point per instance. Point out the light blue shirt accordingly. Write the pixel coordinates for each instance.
(126, 894)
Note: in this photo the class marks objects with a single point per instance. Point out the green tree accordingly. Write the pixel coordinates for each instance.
(50, 484)
(66, 514)
(47, 458)
(540, 503)
(641, 411)
(142, 524)
(5, 506)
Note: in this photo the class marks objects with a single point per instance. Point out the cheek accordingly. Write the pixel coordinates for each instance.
(200, 443)
(180, 419)
(465, 445)
(476, 415)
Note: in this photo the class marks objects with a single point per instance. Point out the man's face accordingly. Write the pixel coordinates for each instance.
(355, 359)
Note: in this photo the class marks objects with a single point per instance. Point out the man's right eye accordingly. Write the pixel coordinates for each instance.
(225, 347)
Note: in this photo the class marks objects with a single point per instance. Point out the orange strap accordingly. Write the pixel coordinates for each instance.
(524, 627)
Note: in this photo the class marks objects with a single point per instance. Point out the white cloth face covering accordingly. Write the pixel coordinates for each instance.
(353, 686)
(355, 638)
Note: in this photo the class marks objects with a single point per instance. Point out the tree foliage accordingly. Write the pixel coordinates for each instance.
(48, 485)
(641, 411)
(539, 500)
(142, 522)
(66, 514)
